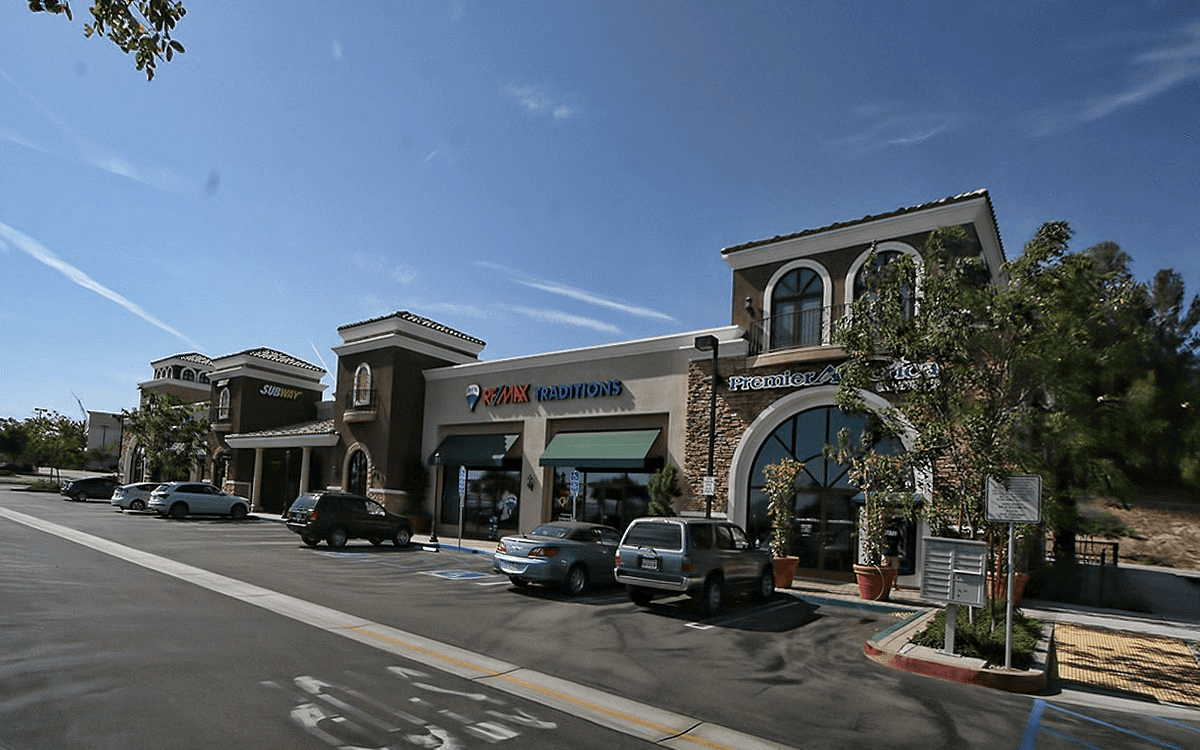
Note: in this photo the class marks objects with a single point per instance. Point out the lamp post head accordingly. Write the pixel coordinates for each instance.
(707, 343)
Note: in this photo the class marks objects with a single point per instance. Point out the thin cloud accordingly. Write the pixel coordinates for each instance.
(88, 153)
(558, 316)
(580, 295)
(40, 253)
(536, 101)
(1158, 71)
(891, 129)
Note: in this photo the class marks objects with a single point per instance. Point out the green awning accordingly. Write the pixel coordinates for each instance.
(473, 450)
(625, 449)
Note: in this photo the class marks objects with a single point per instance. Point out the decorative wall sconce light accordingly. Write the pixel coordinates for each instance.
(529, 481)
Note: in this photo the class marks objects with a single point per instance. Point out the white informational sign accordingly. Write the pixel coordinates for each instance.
(954, 571)
(1016, 500)
(710, 486)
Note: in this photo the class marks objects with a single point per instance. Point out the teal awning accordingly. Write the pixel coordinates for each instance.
(624, 449)
(473, 450)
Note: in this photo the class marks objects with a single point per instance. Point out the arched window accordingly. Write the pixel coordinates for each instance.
(797, 309)
(204, 378)
(356, 474)
(824, 534)
(223, 405)
(885, 253)
(363, 385)
(189, 375)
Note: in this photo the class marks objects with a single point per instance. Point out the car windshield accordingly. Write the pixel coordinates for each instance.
(552, 531)
(660, 535)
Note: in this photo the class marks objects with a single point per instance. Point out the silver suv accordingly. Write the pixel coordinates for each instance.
(704, 558)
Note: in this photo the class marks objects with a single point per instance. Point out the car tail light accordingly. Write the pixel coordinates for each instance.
(617, 559)
(501, 549)
(687, 567)
(543, 552)
(312, 515)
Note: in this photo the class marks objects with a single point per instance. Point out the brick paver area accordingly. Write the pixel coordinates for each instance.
(1164, 669)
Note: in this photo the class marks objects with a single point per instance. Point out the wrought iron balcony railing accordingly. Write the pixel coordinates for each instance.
(796, 330)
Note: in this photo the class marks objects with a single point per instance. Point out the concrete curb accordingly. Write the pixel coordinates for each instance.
(892, 648)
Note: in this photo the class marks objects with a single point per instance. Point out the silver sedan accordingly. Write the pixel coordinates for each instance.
(568, 554)
(133, 496)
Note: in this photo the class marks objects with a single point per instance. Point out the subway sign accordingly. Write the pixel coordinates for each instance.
(502, 395)
(276, 391)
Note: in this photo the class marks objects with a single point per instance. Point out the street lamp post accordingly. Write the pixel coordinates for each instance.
(706, 344)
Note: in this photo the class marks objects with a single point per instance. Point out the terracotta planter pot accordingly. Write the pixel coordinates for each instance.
(785, 571)
(999, 587)
(874, 581)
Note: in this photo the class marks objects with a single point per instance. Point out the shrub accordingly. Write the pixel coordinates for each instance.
(984, 638)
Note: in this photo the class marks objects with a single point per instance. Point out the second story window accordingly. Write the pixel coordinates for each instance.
(223, 405)
(883, 256)
(797, 305)
(363, 385)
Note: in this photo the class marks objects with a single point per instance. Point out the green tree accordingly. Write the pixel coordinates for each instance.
(663, 486)
(14, 441)
(55, 441)
(141, 27)
(1033, 374)
(173, 433)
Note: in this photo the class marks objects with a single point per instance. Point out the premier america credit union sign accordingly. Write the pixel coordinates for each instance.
(897, 376)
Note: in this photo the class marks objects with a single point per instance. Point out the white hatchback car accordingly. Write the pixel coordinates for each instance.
(133, 496)
(180, 499)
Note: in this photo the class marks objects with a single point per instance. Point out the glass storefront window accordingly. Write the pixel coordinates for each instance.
(613, 498)
(824, 535)
(492, 493)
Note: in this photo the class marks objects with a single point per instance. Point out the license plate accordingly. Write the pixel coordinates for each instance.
(648, 563)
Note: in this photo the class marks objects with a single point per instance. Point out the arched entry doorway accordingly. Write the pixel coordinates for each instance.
(825, 530)
(356, 473)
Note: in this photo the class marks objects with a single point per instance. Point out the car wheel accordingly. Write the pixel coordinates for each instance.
(310, 540)
(518, 582)
(766, 585)
(137, 505)
(576, 580)
(713, 597)
(640, 597)
(401, 536)
(179, 510)
(80, 497)
(375, 541)
(336, 538)
(238, 512)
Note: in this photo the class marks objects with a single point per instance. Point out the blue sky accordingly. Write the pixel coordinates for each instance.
(541, 175)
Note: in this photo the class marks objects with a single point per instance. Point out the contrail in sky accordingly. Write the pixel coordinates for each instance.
(40, 253)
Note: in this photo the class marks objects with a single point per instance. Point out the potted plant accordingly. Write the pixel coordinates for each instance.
(780, 488)
(885, 480)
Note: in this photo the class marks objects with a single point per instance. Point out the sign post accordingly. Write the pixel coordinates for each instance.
(1016, 500)
(574, 494)
(462, 499)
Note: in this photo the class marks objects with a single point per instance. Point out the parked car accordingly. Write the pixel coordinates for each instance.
(181, 499)
(133, 496)
(336, 517)
(567, 554)
(707, 559)
(89, 488)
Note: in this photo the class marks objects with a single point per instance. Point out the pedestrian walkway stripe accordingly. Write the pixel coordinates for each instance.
(610, 711)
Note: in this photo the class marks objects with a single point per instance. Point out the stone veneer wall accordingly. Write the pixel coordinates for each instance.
(735, 412)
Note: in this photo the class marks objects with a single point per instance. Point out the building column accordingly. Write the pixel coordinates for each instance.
(256, 488)
(305, 466)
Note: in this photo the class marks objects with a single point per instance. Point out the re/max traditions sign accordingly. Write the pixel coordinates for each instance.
(899, 376)
(499, 395)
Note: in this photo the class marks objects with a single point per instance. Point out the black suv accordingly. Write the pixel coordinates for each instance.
(337, 516)
(94, 488)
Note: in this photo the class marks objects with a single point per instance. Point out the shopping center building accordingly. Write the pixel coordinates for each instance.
(417, 415)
